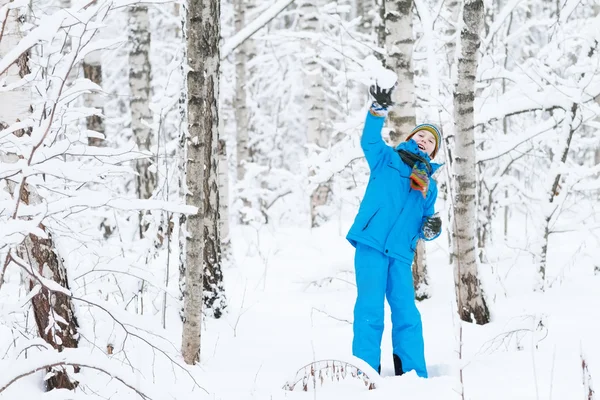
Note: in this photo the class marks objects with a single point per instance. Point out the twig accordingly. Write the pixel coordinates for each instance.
(122, 324)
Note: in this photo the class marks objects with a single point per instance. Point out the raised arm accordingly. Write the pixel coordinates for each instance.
(371, 141)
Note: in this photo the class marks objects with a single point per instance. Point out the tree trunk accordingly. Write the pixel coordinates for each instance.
(202, 38)
(361, 9)
(380, 30)
(315, 106)
(214, 292)
(241, 108)
(15, 104)
(224, 203)
(399, 44)
(53, 311)
(139, 86)
(420, 275)
(92, 70)
(553, 189)
(470, 298)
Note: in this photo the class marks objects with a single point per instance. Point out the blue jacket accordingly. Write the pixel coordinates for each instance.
(391, 214)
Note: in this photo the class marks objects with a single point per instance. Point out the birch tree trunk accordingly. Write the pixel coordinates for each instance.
(361, 9)
(214, 292)
(53, 311)
(224, 202)
(552, 191)
(92, 70)
(202, 38)
(241, 108)
(402, 117)
(469, 295)
(399, 45)
(315, 105)
(139, 86)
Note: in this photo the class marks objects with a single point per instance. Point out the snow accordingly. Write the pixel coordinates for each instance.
(291, 289)
(232, 43)
(374, 70)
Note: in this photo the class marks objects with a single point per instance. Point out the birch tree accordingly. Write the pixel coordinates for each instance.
(202, 39)
(92, 70)
(241, 107)
(139, 86)
(399, 44)
(470, 298)
(314, 99)
(53, 310)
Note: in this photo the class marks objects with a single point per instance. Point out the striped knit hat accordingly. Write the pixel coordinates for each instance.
(429, 128)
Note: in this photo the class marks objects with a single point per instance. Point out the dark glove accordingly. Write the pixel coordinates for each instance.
(432, 227)
(383, 97)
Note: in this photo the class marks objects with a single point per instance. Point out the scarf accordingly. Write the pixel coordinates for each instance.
(421, 170)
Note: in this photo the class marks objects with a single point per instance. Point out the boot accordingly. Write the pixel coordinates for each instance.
(397, 365)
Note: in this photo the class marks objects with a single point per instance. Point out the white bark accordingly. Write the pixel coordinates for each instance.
(202, 38)
(40, 254)
(224, 201)
(92, 70)
(471, 303)
(15, 103)
(315, 104)
(399, 45)
(402, 118)
(551, 192)
(361, 9)
(139, 86)
(250, 29)
(241, 108)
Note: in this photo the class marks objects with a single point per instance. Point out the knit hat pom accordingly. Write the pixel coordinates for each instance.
(434, 130)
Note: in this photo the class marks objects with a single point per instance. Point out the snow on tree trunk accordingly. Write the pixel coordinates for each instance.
(361, 9)
(139, 86)
(420, 275)
(15, 104)
(451, 15)
(469, 295)
(202, 38)
(214, 292)
(399, 44)
(314, 98)
(53, 311)
(92, 70)
(241, 108)
(551, 192)
(224, 202)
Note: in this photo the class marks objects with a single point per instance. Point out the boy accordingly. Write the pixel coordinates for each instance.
(397, 210)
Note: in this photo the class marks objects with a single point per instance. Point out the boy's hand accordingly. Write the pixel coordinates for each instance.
(383, 97)
(432, 227)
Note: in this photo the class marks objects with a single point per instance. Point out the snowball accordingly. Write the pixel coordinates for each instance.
(377, 73)
(386, 78)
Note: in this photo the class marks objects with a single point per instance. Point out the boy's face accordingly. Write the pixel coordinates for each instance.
(426, 141)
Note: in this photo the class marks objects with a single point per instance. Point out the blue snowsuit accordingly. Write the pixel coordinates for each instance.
(385, 233)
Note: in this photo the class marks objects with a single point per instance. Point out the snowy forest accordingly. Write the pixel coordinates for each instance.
(177, 179)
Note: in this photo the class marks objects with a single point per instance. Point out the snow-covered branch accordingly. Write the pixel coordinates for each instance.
(253, 27)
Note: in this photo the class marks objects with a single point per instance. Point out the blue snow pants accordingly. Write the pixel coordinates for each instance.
(377, 277)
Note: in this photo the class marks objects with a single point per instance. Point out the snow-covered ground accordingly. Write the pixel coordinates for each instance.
(291, 303)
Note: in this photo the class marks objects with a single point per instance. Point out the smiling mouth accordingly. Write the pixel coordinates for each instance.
(421, 147)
